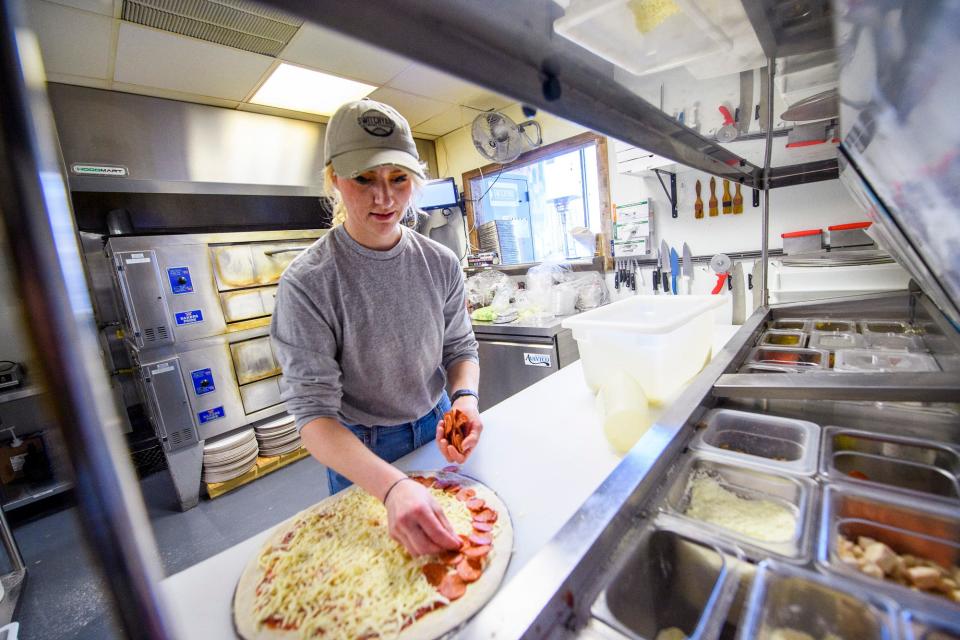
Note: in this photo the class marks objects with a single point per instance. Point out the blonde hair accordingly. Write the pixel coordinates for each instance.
(336, 202)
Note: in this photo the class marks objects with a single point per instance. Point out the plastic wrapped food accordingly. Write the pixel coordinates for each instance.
(482, 287)
(591, 291)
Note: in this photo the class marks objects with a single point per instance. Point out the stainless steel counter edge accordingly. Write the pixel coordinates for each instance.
(547, 330)
(542, 594)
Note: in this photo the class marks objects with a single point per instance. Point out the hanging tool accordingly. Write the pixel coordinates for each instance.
(687, 269)
(746, 101)
(739, 296)
(674, 270)
(720, 264)
(713, 197)
(727, 198)
(738, 201)
(698, 205)
(665, 275)
(727, 132)
(616, 275)
(656, 274)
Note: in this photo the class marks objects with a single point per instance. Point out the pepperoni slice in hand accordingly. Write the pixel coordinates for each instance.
(480, 540)
(476, 504)
(487, 515)
(452, 587)
(434, 573)
(476, 552)
(451, 558)
(468, 572)
(482, 527)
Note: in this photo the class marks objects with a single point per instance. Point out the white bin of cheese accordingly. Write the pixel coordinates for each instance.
(659, 341)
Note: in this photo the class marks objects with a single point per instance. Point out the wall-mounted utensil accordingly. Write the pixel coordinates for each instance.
(713, 197)
(738, 201)
(698, 205)
(727, 132)
(727, 198)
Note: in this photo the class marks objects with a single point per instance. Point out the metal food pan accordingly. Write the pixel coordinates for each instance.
(797, 495)
(830, 325)
(793, 357)
(791, 324)
(774, 443)
(909, 465)
(930, 625)
(922, 529)
(783, 338)
(784, 598)
(868, 327)
(667, 580)
(755, 367)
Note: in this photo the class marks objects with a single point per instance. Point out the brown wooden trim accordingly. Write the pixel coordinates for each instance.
(536, 155)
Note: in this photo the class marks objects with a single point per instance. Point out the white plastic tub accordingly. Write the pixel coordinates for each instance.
(659, 341)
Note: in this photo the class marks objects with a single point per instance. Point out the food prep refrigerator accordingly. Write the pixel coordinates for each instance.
(516, 354)
(852, 453)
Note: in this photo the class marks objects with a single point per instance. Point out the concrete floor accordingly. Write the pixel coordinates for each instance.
(65, 598)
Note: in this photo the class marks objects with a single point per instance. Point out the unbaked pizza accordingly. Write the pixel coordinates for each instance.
(333, 571)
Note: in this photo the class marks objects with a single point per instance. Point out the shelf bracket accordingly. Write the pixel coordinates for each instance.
(672, 192)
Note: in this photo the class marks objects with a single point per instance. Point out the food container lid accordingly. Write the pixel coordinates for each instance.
(834, 341)
(867, 360)
(894, 342)
(644, 314)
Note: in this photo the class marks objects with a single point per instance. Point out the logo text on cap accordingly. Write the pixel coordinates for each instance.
(376, 123)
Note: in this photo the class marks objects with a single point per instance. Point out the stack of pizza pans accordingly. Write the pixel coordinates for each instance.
(230, 457)
(278, 437)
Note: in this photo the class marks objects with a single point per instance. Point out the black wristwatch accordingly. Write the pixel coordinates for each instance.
(459, 393)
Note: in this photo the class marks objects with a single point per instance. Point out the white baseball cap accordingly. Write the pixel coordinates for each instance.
(366, 134)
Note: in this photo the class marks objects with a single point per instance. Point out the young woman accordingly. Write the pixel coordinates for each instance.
(370, 325)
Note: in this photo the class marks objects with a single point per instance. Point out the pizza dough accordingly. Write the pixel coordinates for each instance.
(432, 624)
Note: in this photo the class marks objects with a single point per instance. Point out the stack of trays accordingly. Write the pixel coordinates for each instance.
(278, 437)
(229, 457)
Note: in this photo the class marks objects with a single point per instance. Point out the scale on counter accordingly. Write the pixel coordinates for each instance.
(11, 374)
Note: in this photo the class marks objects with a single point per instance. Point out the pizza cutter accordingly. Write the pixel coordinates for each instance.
(720, 264)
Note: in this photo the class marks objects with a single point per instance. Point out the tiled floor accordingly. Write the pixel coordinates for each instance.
(65, 598)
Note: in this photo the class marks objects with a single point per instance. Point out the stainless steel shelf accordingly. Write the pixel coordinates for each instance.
(30, 493)
(886, 387)
(19, 393)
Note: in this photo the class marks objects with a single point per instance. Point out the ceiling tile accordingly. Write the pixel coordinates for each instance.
(153, 58)
(83, 81)
(415, 109)
(327, 50)
(103, 7)
(450, 120)
(424, 81)
(71, 41)
(173, 95)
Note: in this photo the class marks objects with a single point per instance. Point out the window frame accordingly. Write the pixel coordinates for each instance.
(546, 152)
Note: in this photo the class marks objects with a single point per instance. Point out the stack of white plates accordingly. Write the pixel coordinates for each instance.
(229, 457)
(278, 437)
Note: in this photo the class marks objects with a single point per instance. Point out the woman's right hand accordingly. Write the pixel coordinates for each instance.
(417, 522)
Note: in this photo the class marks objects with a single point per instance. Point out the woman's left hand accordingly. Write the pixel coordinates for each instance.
(474, 426)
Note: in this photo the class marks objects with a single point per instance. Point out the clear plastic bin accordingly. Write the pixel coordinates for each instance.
(793, 493)
(869, 360)
(642, 36)
(783, 338)
(791, 324)
(668, 580)
(789, 598)
(835, 341)
(792, 357)
(833, 325)
(920, 528)
(659, 341)
(770, 442)
(916, 467)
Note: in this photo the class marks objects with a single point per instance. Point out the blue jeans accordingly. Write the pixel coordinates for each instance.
(394, 442)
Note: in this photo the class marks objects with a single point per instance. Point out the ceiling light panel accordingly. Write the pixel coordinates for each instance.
(299, 89)
(234, 23)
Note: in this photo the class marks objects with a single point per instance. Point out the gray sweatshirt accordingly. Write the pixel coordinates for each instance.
(366, 336)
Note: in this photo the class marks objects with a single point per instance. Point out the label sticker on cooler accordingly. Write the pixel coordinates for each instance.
(180, 280)
(210, 414)
(189, 317)
(202, 381)
(537, 359)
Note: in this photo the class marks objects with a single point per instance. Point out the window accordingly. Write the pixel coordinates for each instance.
(528, 210)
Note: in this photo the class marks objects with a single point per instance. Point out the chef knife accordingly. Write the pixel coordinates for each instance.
(674, 270)
(687, 269)
(656, 274)
(664, 276)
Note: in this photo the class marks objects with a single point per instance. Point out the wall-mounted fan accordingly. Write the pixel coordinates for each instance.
(500, 139)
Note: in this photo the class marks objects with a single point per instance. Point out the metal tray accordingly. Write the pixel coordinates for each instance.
(914, 467)
(793, 492)
(921, 528)
(782, 338)
(769, 442)
(792, 357)
(791, 324)
(668, 580)
(787, 597)
(756, 367)
(833, 325)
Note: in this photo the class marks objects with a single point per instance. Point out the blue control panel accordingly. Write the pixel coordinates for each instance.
(202, 381)
(189, 317)
(180, 280)
(210, 414)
